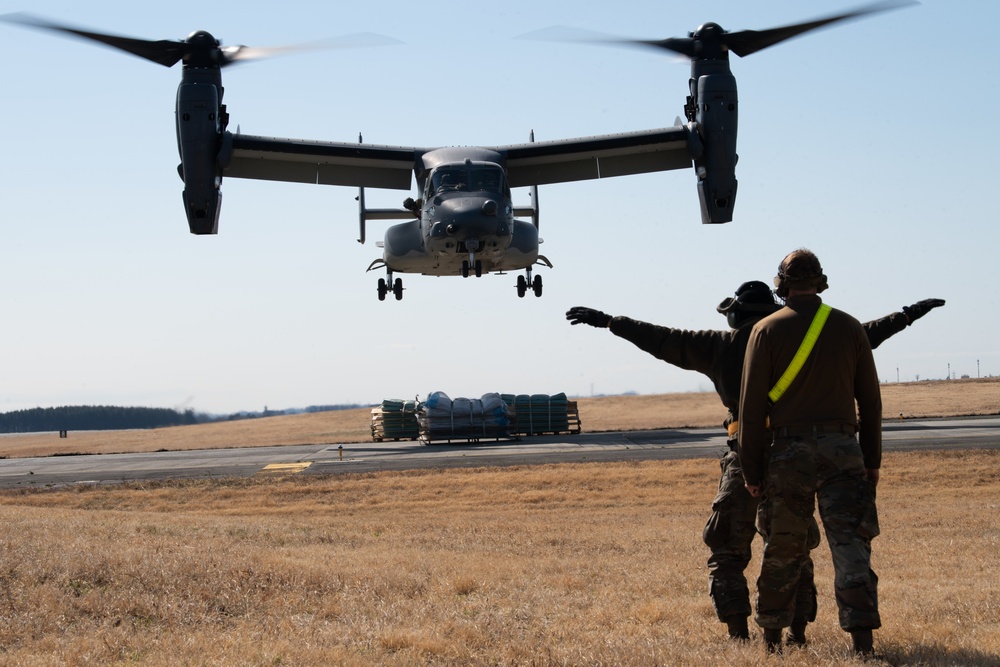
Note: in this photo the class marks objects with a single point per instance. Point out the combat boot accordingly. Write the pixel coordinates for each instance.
(772, 640)
(738, 627)
(863, 644)
(797, 635)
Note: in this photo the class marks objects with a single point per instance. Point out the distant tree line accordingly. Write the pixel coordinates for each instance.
(289, 411)
(94, 418)
(111, 418)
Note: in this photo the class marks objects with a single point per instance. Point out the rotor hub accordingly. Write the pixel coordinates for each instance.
(709, 42)
(202, 50)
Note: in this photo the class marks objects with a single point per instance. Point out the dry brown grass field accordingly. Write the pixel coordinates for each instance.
(572, 564)
(614, 413)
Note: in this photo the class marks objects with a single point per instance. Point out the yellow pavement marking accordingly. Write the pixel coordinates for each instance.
(285, 467)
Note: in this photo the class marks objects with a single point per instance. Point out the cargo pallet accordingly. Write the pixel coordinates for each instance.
(539, 414)
(389, 423)
(543, 420)
(465, 439)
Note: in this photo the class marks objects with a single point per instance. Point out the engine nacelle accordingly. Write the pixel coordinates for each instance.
(199, 140)
(716, 116)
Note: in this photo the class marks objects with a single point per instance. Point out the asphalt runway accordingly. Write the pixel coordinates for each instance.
(332, 459)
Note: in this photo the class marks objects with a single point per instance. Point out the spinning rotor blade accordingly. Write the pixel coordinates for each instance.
(745, 42)
(164, 52)
(200, 49)
(711, 41)
(234, 54)
(585, 36)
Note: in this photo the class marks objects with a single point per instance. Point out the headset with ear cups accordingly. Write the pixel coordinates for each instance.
(753, 297)
(784, 280)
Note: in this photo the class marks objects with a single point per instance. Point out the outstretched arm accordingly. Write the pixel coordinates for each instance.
(886, 327)
(691, 350)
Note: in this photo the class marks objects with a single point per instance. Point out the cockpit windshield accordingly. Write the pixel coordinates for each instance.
(449, 179)
(486, 178)
(474, 177)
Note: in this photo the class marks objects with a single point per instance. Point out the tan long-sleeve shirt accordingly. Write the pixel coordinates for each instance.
(837, 384)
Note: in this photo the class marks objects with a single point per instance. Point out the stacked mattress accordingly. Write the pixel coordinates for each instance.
(395, 419)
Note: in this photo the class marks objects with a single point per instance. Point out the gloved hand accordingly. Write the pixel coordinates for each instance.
(920, 308)
(584, 315)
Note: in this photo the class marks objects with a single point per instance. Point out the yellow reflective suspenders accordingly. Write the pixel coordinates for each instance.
(801, 355)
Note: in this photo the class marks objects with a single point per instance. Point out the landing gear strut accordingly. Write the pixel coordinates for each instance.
(385, 285)
(523, 283)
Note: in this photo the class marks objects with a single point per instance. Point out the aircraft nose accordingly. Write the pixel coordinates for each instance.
(467, 218)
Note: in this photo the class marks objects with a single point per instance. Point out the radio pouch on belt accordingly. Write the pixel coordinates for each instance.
(800, 355)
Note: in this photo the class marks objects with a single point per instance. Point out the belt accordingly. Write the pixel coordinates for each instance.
(734, 427)
(813, 430)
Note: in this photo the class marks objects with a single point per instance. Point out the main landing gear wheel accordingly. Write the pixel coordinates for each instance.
(526, 281)
(386, 285)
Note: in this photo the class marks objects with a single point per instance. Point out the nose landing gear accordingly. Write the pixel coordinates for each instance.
(476, 265)
(472, 246)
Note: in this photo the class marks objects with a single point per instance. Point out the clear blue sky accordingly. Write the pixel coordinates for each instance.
(873, 143)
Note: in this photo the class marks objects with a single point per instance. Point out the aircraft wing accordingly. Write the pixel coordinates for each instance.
(588, 158)
(391, 167)
(321, 162)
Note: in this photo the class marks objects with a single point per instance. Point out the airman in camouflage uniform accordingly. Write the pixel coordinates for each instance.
(730, 531)
(799, 447)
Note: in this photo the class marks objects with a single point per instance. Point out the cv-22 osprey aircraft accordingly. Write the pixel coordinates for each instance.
(464, 220)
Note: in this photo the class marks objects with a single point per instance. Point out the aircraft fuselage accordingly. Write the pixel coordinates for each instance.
(466, 222)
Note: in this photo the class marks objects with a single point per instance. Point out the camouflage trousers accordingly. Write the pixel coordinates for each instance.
(729, 534)
(828, 469)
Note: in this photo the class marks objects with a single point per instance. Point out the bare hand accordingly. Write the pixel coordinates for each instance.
(753, 489)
